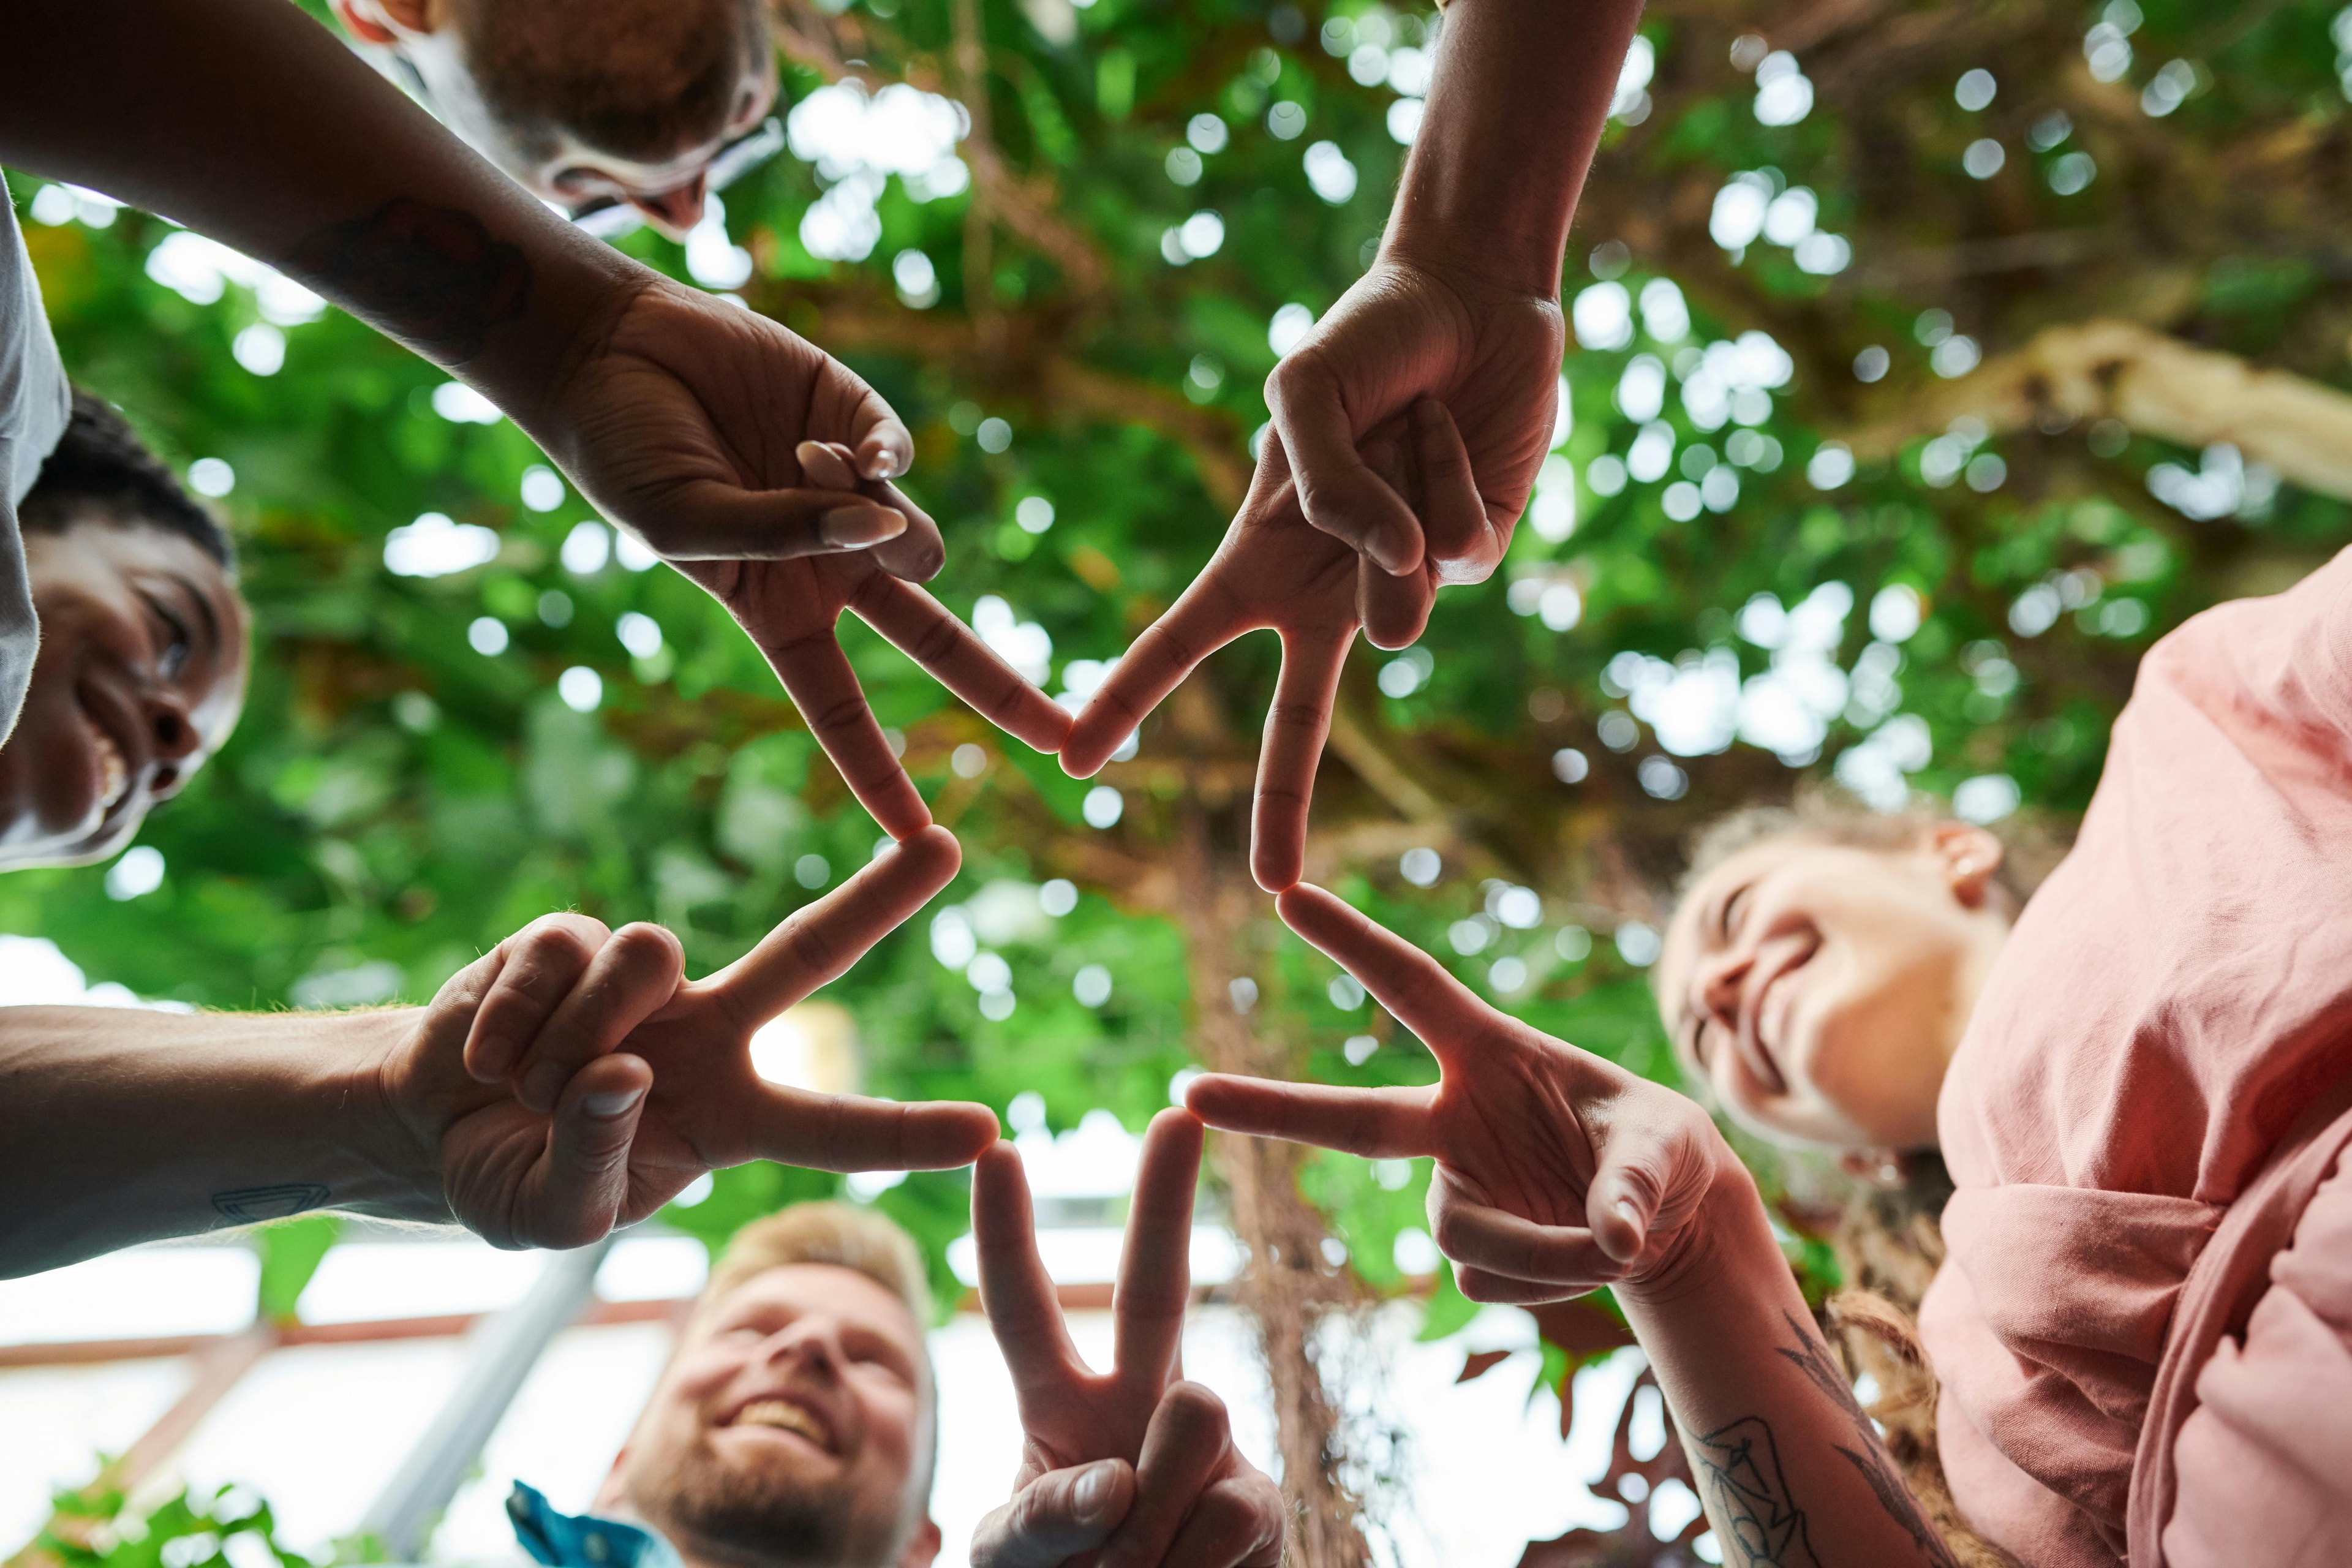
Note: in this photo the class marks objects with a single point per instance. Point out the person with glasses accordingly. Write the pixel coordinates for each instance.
(614, 112)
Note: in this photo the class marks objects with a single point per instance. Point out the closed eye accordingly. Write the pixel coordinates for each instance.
(1734, 909)
(173, 639)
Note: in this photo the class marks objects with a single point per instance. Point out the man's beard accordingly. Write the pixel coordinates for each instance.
(742, 1512)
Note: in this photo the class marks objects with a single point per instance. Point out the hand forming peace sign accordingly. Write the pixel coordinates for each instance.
(1556, 1172)
(790, 608)
(1274, 570)
(567, 1084)
(1128, 1468)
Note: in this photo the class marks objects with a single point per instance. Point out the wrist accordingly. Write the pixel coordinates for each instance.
(576, 299)
(1463, 250)
(376, 1159)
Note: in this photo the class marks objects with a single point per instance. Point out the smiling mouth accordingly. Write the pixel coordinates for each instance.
(1761, 1059)
(785, 1415)
(113, 770)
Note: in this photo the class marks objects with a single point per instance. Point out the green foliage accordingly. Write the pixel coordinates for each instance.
(290, 1253)
(188, 1530)
(397, 802)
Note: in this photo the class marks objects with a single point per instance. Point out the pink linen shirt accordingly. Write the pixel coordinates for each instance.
(2156, 1080)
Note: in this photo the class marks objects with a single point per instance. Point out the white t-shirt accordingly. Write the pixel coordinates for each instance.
(35, 403)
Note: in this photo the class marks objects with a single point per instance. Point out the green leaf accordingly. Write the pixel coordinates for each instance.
(291, 1251)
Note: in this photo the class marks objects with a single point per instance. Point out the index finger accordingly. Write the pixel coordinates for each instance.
(927, 632)
(819, 942)
(1295, 727)
(1206, 617)
(1015, 1292)
(852, 1133)
(1377, 1124)
(1155, 1263)
(1407, 980)
(816, 676)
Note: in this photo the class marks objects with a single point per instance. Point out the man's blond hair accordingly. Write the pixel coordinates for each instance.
(841, 1234)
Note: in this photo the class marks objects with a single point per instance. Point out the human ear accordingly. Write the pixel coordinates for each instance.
(613, 1491)
(1969, 856)
(925, 1546)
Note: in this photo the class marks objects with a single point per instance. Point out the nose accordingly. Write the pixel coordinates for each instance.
(812, 1343)
(173, 736)
(677, 210)
(1715, 985)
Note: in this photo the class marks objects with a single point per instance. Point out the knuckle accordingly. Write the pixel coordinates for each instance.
(650, 948)
(548, 951)
(1297, 715)
(1472, 1284)
(842, 714)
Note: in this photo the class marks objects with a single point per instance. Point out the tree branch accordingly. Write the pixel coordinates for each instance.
(2157, 385)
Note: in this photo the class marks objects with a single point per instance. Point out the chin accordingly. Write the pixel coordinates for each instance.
(28, 850)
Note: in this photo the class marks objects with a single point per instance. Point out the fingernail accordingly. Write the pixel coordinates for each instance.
(540, 1085)
(612, 1104)
(855, 527)
(1632, 1216)
(1093, 1494)
(495, 1058)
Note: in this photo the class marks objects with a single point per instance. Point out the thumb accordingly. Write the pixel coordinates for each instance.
(1622, 1204)
(582, 1180)
(1055, 1517)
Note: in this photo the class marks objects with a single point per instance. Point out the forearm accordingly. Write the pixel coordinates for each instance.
(119, 1125)
(245, 121)
(1515, 107)
(1785, 1458)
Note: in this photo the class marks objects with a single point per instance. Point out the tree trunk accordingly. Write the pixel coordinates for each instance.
(1288, 1285)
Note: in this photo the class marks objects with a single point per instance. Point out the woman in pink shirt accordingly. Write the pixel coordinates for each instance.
(2141, 1083)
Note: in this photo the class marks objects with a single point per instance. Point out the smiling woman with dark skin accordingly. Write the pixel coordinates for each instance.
(142, 660)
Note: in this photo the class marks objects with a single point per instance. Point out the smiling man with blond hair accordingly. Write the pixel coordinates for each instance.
(797, 1425)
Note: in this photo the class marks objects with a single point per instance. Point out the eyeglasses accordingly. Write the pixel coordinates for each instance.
(610, 217)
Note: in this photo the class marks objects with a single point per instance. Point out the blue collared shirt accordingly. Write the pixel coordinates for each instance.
(584, 1541)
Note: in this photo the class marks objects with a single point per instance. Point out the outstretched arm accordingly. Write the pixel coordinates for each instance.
(673, 412)
(564, 1084)
(1559, 1173)
(119, 1126)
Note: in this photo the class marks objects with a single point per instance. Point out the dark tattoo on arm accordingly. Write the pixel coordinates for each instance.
(251, 1206)
(431, 277)
(1756, 1523)
(1869, 1456)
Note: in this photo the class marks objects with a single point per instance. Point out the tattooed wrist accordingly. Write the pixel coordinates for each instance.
(1868, 1455)
(1758, 1523)
(432, 277)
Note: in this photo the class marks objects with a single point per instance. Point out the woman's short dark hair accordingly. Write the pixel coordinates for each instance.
(102, 471)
